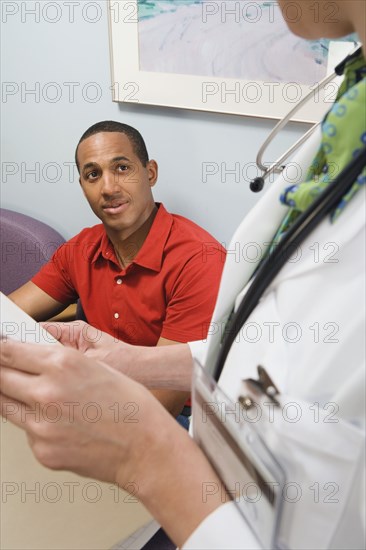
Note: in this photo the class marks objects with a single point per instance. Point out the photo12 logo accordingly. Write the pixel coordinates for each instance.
(51, 12)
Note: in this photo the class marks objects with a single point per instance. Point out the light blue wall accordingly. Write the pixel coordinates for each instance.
(37, 130)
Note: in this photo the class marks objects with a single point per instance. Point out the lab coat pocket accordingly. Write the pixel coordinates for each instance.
(322, 457)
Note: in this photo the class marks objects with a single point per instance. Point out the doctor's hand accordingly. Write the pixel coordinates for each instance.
(76, 402)
(92, 342)
(94, 421)
(163, 367)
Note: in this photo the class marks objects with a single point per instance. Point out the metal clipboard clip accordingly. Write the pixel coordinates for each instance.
(234, 446)
(263, 386)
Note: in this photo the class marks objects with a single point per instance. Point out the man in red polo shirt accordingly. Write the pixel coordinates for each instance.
(144, 275)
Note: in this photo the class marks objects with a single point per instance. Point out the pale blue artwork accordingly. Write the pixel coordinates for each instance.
(239, 39)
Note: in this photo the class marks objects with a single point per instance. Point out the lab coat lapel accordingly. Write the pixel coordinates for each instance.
(258, 227)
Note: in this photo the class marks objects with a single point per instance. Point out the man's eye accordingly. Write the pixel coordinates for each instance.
(92, 175)
(122, 167)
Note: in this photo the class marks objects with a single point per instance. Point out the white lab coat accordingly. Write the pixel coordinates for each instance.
(308, 332)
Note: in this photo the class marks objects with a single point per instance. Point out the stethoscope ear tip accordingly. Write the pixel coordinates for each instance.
(257, 184)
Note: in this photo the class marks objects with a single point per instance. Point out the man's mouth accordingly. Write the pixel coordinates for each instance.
(115, 207)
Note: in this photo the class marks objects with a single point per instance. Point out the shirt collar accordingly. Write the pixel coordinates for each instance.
(151, 253)
(105, 249)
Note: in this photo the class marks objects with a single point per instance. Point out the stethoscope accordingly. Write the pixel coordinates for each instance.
(301, 228)
(277, 167)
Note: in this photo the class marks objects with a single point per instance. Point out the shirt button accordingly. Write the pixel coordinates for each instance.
(116, 315)
(119, 281)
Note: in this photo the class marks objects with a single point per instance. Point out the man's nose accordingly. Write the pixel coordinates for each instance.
(110, 185)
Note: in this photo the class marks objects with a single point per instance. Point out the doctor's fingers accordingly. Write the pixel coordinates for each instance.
(30, 358)
(18, 385)
(15, 412)
(79, 335)
(74, 334)
(57, 445)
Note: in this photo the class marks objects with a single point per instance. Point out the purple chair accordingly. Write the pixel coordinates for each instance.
(26, 245)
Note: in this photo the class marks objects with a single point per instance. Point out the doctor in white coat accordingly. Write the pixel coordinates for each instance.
(307, 332)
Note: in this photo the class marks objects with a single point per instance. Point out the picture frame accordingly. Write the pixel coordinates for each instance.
(255, 98)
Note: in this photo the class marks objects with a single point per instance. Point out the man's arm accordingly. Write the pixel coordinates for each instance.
(172, 400)
(37, 303)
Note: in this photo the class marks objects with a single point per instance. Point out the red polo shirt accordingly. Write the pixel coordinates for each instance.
(168, 290)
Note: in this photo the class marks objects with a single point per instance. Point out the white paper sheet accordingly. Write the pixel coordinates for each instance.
(17, 324)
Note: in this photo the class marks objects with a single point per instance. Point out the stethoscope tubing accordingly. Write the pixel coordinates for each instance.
(277, 166)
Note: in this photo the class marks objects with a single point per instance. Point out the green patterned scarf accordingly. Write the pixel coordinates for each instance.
(343, 135)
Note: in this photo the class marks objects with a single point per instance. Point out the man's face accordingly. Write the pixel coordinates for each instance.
(115, 183)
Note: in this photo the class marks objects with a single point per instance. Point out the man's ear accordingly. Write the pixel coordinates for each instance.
(152, 170)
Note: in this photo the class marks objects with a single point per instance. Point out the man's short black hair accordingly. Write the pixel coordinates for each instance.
(133, 135)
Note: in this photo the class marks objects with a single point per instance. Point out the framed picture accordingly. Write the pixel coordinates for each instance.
(225, 56)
